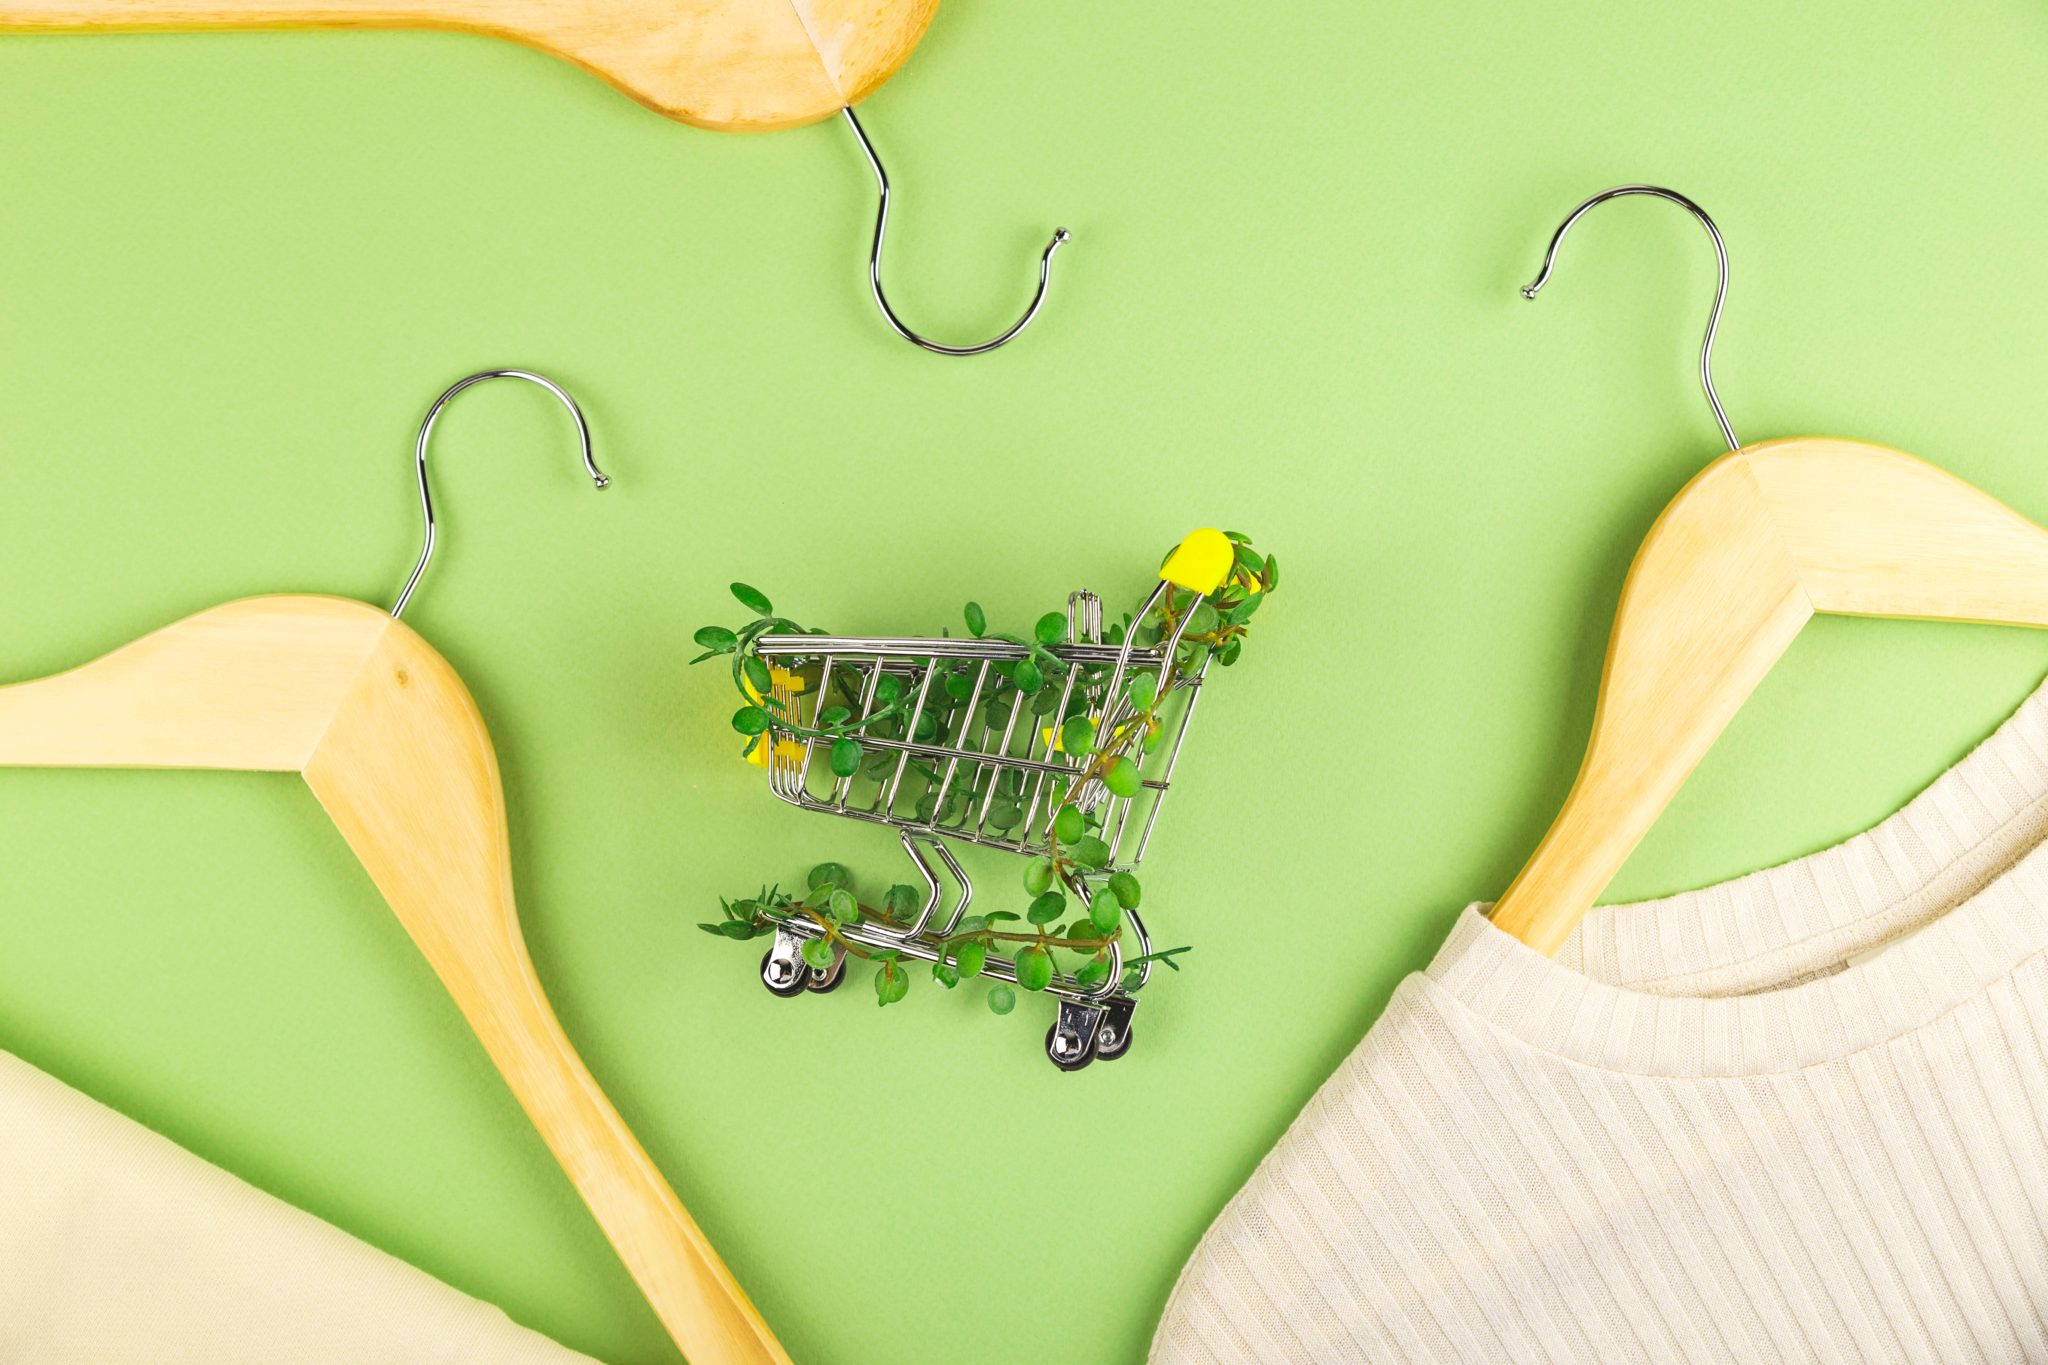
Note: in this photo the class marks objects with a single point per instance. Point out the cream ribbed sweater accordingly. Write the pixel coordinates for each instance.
(1802, 1116)
(118, 1247)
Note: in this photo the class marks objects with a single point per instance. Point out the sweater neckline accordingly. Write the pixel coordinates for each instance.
(1799, 964)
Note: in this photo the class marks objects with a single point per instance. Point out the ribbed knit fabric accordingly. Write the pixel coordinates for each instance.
(1801, 1116)
(118, 1247)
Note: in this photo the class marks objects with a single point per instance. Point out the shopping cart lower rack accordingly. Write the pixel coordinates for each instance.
(970, 758)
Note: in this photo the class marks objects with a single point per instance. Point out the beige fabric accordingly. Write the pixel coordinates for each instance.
(118, 1246)
(1802, 1116)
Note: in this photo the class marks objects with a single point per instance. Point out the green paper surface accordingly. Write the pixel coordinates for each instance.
(235, 268)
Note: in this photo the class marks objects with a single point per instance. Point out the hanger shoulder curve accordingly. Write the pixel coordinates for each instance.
(392, 744)
(408, 774)
(211, 691)
(729, 65)
(1732, 570)
(1878, 532)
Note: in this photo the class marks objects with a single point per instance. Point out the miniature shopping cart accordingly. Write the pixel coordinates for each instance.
(969, 768)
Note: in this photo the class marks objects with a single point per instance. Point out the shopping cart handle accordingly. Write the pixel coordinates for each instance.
(1201, 562)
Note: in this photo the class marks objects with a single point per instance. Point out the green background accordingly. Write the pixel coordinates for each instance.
(234, 269)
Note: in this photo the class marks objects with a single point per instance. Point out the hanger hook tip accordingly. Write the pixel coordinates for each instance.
(598, 478)
(1060, 237)
(1706, 366)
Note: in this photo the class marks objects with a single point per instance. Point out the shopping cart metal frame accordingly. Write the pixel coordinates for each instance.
(953, 778)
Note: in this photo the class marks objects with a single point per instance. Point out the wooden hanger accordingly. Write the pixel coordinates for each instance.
(391, 743)
(727, 65)
(1759, 542)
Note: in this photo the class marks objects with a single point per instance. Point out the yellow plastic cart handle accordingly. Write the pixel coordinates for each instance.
(1201, 563)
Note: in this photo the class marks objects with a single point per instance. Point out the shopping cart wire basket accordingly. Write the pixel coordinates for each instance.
(969, 760)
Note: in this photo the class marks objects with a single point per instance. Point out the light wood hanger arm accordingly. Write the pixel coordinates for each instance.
(393, 746)
(733, 65)
(1737, 564)
(212, 691)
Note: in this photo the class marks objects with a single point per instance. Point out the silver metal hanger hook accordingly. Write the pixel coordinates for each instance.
(598, 477)
(1060, 237)
(1530, 289)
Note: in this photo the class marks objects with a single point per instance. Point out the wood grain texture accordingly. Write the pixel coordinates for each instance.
(393, 746)
(253, 684)
(1735, 566)
(728, 65)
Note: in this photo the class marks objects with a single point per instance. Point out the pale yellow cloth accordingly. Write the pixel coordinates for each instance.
(118, 1246)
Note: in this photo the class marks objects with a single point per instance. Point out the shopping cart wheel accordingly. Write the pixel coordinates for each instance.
(784, 976)
(1056, 1048)
(1104, 1050)
(820, 983)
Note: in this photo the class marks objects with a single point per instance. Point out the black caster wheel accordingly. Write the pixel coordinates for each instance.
(1065, 1063)
(771, 975)
(830, 982)
(1110, 1054)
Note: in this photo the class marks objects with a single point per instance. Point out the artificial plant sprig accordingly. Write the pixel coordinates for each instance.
(1108, 737)
(829, 903)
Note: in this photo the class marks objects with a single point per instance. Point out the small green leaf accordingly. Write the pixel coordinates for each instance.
(1038, 875)
(1203, 620)
(1051, 628)
(892, 983)
(1077, 736)
(1004, 815)
(717, 639)
(1001, 999)
(846, 756)
(1125, 888)
(843, 906)
(1143, 690)
(718, 929)
(995, 916)
(828, 874)
(888, 689)
(1068, 826)
(973, 924)
(817, 954)
(901, 902)
(1106, 913)
(1091, 852)
(737, 929)
(750, 720)
(1091, 972)
(757, 674)
(972, 956)
(1271, 578)
(1034, 969)
(752, 600)
(820, 894)
(958, 685)
(946, 974)
(1027, 677)
(1047, 908)
(977, 621)
(1123, 777)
